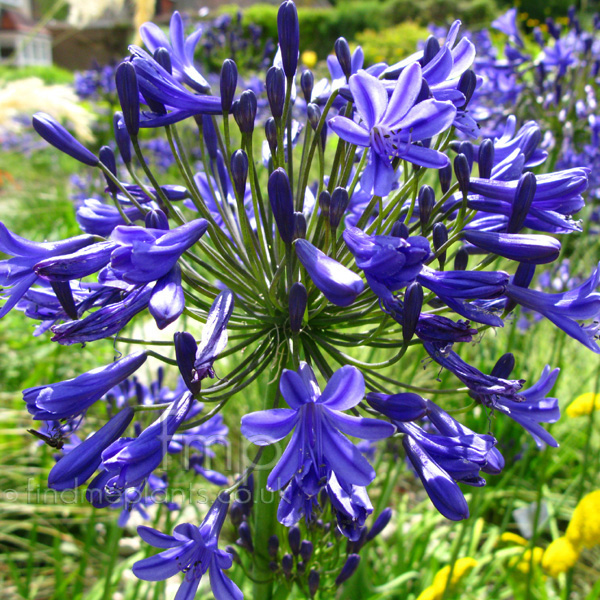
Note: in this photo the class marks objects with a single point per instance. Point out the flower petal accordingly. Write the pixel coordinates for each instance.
(344, 390)
(350, 131)
(266, 427)
(370, 97)
(360, 427)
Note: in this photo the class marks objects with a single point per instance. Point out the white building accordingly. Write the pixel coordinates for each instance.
(22, 41)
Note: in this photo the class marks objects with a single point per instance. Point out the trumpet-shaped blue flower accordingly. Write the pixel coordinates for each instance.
(192, 551)
(389, 127)
(74, 396)
(317, 446)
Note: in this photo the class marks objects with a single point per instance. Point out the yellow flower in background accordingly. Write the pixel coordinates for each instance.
(559, 556)
(436, 590)
(309, 58)
(513, 538)
(583, 405)
(584, 529)
(523, 562)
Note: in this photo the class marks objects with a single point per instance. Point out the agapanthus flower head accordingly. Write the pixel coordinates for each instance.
(191, 550)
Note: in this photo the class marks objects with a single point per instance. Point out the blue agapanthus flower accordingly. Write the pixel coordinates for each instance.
(317, 446)
(192, 551)
(389, 127)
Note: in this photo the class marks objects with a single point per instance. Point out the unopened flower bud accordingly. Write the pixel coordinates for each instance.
(122, 137)
(426, 199)
(245, 537)
(461, 260)
(462, 172)
(413, 303)
(228, 82)
(107, 158)
(504, 366)
(445, 176)
(440, 237)
(297, 305)
(271, 134)
(348, 569)
(424, 92)
(129, 96)
(325, 202)
(531, 142)
(338, 206)
(314, 115)
(282, 204)
(380, 524)
(306, 550)
(486, 158)
(400, 229)
(294, 539)
(307, 82)
(432, 47)
(467, 84)
(185, 354)
(466, 148)
(522, 202)
(287, 563)
(56, 135)
(289, 37)
(234, 554)
(246, 112)
(163, 58)
(275, 85)
(273, 546)
(156, 219)
(239, 171)
(342, 52)
(313, 582)
(299, 226)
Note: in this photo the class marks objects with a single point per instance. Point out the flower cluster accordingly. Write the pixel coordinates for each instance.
(306, 259)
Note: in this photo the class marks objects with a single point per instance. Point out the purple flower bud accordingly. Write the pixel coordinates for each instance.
(486, 158)
(107, 158)
(185, 353)
(306, 550)
(299, 226)
(297, 306)
(245, 536)
(273, 546)
(339, 284)
(239, 171)
(426, 199)
(231, 550)
(79, 464)
(400, 229)
(64, 294)
(342, 52)
(275, 85)
(380, 524)
(245, 114)
(432, 47)
(236, 514)
(271, 134)
(440, 237)
(287, 563)
(307, 82)
(129, 96)
(209, 134)
(229, 77)
(533, 249)
(156, 219)
(314, 115)
(122, 137)
(522, 202)
(294, 539)
(348, 569)
(445, 176)
(163, 58)
(424, 93)
(313, 582)
(338, 206)
(402, 407)
(325, 202)
(301, 568)
(504, 366)
(467, 84)
(522, 278)
(461, 260)
(289, 37)
(282, 204)
(56, 135)
(466, 148)
(462, 172)
(413, 303)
